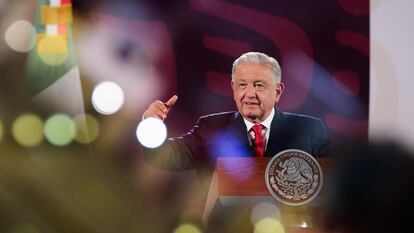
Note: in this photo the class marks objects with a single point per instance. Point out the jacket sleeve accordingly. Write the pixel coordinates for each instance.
(179, 153)
(320, 141)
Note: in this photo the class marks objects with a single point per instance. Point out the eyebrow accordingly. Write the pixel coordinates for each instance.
(255, 81)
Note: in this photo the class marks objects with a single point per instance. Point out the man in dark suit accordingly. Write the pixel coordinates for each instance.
(256, 129)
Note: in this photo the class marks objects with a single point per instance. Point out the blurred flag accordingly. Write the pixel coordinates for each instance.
(53, 77)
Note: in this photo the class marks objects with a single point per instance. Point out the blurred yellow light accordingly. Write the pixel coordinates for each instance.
(1, 130)
(264, 210)
(52, 49)
(60, 130)
(269, 225)
(27, 130)
(304, 224)
(187, 228)
(56, 14)
(21, 36)
(87, 128)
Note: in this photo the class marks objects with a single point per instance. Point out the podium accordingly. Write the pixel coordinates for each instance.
(241, 180)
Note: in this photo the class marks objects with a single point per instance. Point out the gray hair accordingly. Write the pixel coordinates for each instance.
(258, 58)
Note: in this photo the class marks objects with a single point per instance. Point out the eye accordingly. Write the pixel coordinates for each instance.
(259, 86)
(242, 85)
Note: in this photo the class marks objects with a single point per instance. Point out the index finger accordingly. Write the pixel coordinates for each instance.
(171, 101)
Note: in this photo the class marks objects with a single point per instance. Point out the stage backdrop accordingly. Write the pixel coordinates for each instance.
(187, 48)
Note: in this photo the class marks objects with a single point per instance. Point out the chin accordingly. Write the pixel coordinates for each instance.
(252, 115)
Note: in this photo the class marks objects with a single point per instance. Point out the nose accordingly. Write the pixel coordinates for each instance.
(250, 91)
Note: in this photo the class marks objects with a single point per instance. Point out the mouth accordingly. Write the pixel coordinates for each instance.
(251, 103)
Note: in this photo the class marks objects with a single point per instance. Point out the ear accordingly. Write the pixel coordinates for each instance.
(232, 85)
(280, 87)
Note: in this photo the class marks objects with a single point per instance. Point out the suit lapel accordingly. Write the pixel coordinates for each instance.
(278, 134)
(237, 128)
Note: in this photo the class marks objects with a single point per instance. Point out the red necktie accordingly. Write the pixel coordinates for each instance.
(258, 148)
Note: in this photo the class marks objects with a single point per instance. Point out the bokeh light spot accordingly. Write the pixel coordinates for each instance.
(151, 132)
(187, 228)
(52, 49)
(21, 36)
(60, 130)
(27, 130)
(87, 128)
(269, 225)
(1, 130)
(264, 210)
(107, 98)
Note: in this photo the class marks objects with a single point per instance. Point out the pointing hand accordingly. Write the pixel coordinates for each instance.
(159, 109)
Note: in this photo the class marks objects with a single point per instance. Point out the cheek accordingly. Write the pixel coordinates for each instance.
(237, 98)
(238, 95)
(267, 98)
(262, 96)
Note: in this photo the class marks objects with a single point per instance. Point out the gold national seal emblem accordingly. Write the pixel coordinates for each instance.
(294, 177)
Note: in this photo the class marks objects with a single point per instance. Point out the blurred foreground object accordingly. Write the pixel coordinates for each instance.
(53, 78)
(54, 190)
(151, 132)
(107, 98)
(373, 188)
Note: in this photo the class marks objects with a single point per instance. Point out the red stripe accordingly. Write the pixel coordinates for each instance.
(63, 2)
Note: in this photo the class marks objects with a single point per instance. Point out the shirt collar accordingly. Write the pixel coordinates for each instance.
(266, 123)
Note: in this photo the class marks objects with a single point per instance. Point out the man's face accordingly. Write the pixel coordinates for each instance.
(255, 91)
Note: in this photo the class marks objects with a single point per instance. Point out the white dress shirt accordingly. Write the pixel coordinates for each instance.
(265, 131)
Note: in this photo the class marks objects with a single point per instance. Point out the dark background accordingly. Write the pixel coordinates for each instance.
(322, 47)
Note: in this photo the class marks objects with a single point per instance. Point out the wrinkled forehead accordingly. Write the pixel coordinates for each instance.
(254, 72)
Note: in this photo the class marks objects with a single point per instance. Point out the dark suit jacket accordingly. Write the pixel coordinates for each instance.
(225, 134)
